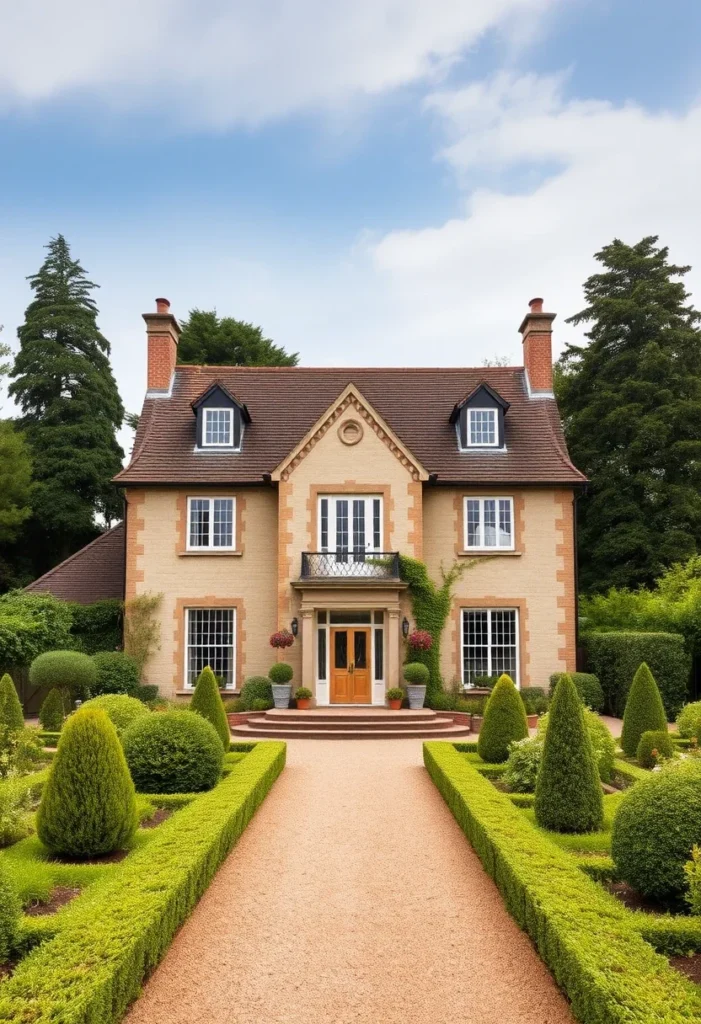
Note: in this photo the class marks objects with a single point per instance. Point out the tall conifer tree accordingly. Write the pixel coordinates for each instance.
(71, 409)
(631, 403)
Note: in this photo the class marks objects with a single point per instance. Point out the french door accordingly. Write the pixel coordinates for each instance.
(350, 529)
(350, 665)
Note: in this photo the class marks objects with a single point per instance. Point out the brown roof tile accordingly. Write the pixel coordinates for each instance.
(94, 573)
(284, 402)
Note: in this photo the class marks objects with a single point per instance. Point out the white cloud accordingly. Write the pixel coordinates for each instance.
(217, 63)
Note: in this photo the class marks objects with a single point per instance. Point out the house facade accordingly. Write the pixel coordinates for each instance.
(262, 499)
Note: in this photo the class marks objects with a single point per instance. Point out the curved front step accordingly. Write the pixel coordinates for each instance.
(438, 728)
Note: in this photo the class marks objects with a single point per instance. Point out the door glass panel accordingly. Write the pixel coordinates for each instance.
(321, 653)
(342, 530)
(360, 649)
(340, 649)
(379, 653)
(359, 529)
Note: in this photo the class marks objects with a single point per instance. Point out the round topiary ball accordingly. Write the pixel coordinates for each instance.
(416, 674)
(51, 714)
(173, 752)
(11, 713)
(206, 701)
(121, 709)
(655, 828)
(653, 746)
(256, 688)
(504, 722)
(281, 673)
(88, 806)
(117, 672)
(68, 670)
(689, 720)
(644, 710)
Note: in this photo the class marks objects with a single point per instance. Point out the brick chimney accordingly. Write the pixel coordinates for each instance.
(162, 333)
(537, 331)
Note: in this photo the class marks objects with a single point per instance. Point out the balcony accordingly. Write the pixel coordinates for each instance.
(350, 565)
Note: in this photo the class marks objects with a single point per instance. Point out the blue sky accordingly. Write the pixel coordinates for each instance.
(377, 182)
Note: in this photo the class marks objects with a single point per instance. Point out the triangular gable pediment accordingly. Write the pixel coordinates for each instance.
(350, 397)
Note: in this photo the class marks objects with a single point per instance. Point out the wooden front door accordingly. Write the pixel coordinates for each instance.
(350, 665)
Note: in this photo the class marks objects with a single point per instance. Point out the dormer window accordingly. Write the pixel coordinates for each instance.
(479, 419)
(220, 420)
(482, 430)
(218, 427)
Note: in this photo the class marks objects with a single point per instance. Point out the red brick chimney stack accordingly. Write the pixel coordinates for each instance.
(537, 331)
(162, 333)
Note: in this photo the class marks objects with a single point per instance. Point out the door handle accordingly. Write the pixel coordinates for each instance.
(351, 667)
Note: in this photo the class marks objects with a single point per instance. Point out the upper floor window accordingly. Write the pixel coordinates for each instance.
(218, 427)
(482, 427)
(489, 524)
(211, 524)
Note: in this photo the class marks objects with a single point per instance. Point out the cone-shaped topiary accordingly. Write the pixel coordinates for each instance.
(504, 722)
(652, 747)
(51, 715)
(11, 713)
(568, 795)
(10, 914)
(644, 711)
(207, 702)
(88, 806)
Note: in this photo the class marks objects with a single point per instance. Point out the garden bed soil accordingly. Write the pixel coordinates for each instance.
(106, 858)
(7, 969)
(689, 966)
(162, 814)
(634, 900)
(58, 898)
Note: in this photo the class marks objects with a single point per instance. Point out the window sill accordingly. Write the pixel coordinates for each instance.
(481, 553)
(210, 554)
(223, 693)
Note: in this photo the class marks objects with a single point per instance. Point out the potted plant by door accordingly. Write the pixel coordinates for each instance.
(395, 696)
(303, 696)
(280, 675)
(416, 676)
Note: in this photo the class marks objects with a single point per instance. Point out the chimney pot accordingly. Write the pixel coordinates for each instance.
(536, 305)
(162, 305)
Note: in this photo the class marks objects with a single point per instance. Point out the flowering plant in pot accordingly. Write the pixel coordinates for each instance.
(280, 675)
(282, 639)
(416, 676)
(395, 696)
(420, 640)
(303, 696)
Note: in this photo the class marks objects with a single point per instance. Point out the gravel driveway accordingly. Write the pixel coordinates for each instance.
(352, 897)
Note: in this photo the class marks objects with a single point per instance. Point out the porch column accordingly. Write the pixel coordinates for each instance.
(393, 649)
(308, 677)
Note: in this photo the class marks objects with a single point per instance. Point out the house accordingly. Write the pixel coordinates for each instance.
(261, 499)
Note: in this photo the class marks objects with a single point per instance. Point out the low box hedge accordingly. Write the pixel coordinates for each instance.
(115, 934)
(590, 942)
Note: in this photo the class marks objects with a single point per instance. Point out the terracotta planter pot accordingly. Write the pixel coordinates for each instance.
(532, 721)
(304, 703)
(395, 705)
(476, 723)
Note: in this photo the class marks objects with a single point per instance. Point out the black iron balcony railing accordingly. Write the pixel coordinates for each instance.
(377, 565)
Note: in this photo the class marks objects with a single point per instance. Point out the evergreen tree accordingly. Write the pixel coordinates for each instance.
(51, 714)
(644, 710)
(208, 340)
(207, 702)
(11, 714)
(504, 722)
(71, 409)
(631, 404)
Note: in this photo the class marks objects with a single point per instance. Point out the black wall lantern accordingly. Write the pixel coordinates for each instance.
(405, 627)
(295, 627)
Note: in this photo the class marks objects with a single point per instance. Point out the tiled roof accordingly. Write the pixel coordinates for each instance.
(94, 573)
(285, 402)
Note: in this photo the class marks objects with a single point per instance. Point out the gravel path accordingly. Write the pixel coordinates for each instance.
(352, 897)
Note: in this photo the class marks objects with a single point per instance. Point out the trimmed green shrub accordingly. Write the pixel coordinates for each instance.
(233, 705)
(11, 714)
(173, 752)
(416, 674)
(689, 720)
(52, 715)
(616, 657)
(692, 870)
(281, 673)
(120, 708)
(31, 624)
(603, 743)
(206, 701)
(68, 670)
(262, 705)
(652, 746)
(117, 672)
(98, 626)
(588, 688)
(146, 899)
(568, 795)
(256, 688)
(644, 711)
(523, 763)
(655, 828)
(148, 693)
(440, 701)
(504, 722)
(535, 700)
(10, 915)
(88, 805)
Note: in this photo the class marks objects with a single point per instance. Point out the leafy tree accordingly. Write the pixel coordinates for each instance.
(71, 409)
(210, 340)
(644, 710)
(631, 403)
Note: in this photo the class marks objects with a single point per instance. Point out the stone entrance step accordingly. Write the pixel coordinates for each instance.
(349, 723)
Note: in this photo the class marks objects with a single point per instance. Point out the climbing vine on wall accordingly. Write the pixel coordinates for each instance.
(430, 606)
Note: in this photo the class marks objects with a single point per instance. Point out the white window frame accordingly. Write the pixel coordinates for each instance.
(187, 685)
(517, 675)
(482, 444)
(491, 547)
(370, 547)
(230, 416)
(211, 546)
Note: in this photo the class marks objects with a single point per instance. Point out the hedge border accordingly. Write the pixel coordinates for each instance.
(115, 934)
(596, 953)
(630, 773)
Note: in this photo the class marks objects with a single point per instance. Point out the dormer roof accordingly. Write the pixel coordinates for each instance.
(227, 396)
(482, 387)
